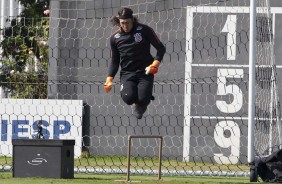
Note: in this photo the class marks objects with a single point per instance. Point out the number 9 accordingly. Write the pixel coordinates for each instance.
(232, 142)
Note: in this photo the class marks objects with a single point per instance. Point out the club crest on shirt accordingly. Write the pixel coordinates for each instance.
(138, 37)
(117, 35)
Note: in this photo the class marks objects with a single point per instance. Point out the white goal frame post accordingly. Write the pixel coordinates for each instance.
(224, 71)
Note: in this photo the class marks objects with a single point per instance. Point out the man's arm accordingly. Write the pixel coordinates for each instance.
(114, 64)
(155, 41)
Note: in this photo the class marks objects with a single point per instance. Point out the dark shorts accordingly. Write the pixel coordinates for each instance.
(136, 88)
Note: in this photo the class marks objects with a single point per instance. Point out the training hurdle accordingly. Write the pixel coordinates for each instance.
(130, 137)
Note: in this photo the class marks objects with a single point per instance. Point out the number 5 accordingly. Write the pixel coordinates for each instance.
(224, 89)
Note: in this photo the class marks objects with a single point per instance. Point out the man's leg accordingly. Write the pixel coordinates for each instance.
(128, 90)
(145, 90)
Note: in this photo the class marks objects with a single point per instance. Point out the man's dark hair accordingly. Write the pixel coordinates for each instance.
(123, 13)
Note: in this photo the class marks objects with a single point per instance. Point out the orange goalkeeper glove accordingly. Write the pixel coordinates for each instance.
(108, 84)
(153, 68)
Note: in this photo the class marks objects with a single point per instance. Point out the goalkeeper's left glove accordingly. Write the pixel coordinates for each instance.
(153, 68)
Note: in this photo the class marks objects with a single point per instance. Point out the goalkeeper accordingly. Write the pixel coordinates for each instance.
(130, 47)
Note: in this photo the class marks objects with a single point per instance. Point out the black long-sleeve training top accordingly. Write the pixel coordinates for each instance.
(132, 50)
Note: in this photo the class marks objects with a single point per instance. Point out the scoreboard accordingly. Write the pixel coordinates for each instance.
(216, 84)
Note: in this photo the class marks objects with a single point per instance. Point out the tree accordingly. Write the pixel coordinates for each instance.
(25, 52)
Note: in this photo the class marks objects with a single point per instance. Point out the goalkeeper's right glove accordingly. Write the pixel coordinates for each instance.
(108, 84)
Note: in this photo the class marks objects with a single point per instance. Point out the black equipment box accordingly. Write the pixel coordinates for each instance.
(43, 158)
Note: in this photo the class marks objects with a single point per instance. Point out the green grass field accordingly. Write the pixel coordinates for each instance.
(113, 162)
(6, 178)
(119, 162)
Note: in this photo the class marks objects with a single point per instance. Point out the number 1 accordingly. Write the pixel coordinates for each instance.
(230, 28)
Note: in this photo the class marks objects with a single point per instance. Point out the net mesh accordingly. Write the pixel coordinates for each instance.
(267, 110)
(200, 91)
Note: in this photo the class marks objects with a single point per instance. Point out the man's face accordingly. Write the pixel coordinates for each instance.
(126, 24)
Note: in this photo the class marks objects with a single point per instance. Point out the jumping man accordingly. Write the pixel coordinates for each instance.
(130, 46)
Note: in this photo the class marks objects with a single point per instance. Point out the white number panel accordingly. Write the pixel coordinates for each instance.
(216, 84)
